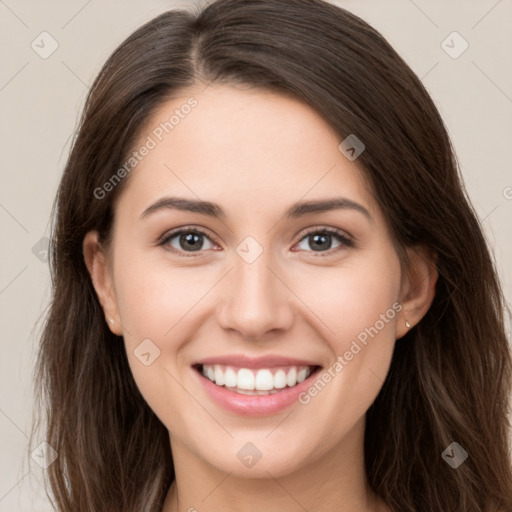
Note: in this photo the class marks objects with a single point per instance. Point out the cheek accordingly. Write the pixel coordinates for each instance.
(353, 299)
(153, 298)
(358, 308)
(154, 303)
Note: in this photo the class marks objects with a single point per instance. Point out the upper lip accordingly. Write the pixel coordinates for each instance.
(268, 361)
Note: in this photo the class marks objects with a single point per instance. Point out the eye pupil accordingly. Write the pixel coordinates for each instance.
(191, 238)
(318, 240)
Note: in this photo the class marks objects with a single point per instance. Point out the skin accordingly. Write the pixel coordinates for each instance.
(256, 153)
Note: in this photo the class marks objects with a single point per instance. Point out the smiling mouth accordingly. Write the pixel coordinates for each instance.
(252, 381)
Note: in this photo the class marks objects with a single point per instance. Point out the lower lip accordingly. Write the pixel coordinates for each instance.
(254, 405)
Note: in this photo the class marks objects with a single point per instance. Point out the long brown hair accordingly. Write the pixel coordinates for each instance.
(450, 377)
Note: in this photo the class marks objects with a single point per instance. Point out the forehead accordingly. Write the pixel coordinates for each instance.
(246, 148)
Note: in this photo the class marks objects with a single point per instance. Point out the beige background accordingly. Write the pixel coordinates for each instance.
(40, 100)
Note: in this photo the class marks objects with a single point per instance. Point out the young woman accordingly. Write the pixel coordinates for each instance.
(270, 289)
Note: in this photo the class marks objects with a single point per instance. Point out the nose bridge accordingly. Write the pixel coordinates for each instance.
(256, 300)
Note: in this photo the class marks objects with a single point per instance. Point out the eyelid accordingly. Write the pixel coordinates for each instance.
(327, 229)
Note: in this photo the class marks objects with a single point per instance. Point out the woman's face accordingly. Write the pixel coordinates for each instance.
(256, 282)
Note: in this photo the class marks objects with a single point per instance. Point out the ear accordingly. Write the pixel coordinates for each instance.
(418, 288)
(97, 265)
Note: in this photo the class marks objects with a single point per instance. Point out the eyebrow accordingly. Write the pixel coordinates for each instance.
(295, 211)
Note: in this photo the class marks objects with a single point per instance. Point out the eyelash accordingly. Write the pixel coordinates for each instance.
(338, 234)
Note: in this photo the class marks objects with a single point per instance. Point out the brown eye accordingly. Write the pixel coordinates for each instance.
(186, 240)
(322, 240)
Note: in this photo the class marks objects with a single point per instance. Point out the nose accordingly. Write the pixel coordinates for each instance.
(256, 300)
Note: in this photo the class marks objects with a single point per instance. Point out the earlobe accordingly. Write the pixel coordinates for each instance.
(418, 288)
(97, 266)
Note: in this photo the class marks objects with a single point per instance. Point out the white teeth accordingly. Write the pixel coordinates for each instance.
(280, 379)
(302, 374)
(291, 378)
(219, 375)
(264, 380)
(230, 378)
(245, 379)
(256, 382)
